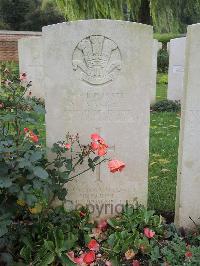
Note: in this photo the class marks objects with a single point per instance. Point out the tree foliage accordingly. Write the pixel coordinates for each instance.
(165, 15)
(27, 15)
(88, 9)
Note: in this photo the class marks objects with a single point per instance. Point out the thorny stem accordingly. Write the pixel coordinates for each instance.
(71, 178)
(194, 223)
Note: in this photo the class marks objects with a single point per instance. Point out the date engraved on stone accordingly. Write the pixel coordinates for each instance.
(97, 59)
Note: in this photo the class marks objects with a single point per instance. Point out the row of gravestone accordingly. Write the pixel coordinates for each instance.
(99, 76)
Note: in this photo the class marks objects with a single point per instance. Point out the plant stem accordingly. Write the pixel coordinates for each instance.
(71, 178)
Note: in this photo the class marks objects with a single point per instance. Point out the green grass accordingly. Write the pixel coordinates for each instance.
(166, 37)
(164, 134)
(161, 93)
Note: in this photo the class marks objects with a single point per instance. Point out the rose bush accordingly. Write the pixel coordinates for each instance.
(29, 182)
(34, 232)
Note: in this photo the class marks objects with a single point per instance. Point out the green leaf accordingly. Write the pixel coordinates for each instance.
(87, 238)
(7, 258)
(27, 188)
(115, 261)
(91, 164)
(96, 159)
(117, 248)
(113, 223)
(49, 245)
(3, 229)
(66, 261)
(3, 169)
(15, 188)
(30, 199)
(36, 156)
(59, 239)
(5, 182)
(39, 109)
(40, 172)
(40, 254)
(23, 163)
(28, 241)
(4, 222)
(71, 241)
(47, 259)
(26, 253)
(62, 194)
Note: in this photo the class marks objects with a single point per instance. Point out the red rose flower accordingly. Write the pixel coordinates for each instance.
(94, 146)
(33, 137)
(89, 257)
(102, 225)
(188, 254)
(67, 146)
(136, 263)
(98, 144)
(82, 214)
(23, 76)
(102, 149)
(26, 130)
(95, 137)
(93, 245)
(149, 233)
(77, 260)
(115, 166)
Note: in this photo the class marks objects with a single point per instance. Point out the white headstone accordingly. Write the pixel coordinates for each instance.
(188, 183)
(176, 69)
(31, 62)
(97, 77)
(168, 47)
(156, 48)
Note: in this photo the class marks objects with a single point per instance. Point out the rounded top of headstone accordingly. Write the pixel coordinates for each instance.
(98, 21)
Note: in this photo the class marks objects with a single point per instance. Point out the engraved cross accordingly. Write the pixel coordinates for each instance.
(98, 168)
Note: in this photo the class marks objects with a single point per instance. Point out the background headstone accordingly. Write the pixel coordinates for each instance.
(31, 62)
(188, 183)
(168, 47)
(97, 78)
(176, 69)
(156, 48)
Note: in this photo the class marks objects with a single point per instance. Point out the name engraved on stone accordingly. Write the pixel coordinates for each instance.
(122, 116)
(97, 59)
(178, 69)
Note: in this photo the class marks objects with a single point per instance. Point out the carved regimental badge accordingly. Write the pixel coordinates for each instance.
(97, 59)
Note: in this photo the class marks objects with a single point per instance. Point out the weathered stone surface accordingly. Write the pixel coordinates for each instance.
(188, 183)
(176, 68)
(97, 77)
(31, 62)
(156, 48)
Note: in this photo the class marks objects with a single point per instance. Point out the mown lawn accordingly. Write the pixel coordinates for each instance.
(164, 133)
(162, 80)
